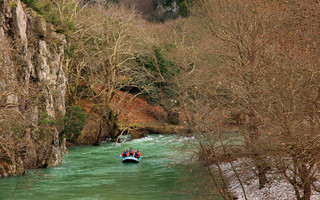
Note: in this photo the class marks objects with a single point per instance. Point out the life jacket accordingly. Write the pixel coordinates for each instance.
(131, 152)
(137, 154)
(124, 154)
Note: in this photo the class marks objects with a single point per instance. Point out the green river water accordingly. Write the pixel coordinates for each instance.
(94, 172)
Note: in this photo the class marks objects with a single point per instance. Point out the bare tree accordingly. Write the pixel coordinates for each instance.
(262, 73)
(103, 54)
(109, 40)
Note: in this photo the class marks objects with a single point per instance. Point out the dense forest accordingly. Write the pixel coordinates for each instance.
(241, 77)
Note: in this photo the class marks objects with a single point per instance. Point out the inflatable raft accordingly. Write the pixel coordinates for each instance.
(131, 159)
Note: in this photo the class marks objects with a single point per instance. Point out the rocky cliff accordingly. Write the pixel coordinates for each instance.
(32, 90)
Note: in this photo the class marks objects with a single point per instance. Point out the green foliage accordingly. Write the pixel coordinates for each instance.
(49, 11)
(70, 50)
(32, 4)
(184, 8)
(165, 67)
(164, 3)
(13, 4)
(45, 119)
(112, 1)
(162, 80)
(46, 124)
(74, 122)
(183, 5)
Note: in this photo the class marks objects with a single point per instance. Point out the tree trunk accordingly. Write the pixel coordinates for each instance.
(173, 117)
(253, 141)
(97, 139)
(262, 170)
(305, 179)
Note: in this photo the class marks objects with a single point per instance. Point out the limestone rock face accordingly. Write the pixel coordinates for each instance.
(21, 24)
(32, 90)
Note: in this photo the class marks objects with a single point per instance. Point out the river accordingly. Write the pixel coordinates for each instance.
(94, 172)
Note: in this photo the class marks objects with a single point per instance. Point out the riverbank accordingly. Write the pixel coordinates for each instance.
(278, 189)
(139, 130)
(126, 114)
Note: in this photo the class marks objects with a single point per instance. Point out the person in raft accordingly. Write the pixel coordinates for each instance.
(137, 154)
(131, 152)
(125, 153)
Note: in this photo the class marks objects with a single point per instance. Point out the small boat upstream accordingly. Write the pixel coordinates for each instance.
(131, 159)
(131, 156)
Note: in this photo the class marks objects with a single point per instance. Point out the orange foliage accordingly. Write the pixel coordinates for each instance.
(136, 110)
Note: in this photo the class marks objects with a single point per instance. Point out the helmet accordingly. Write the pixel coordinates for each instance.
(126, 150)
(137, 150)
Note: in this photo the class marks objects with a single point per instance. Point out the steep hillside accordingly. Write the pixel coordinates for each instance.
(136, 110)
(32, 88)
(138, 118)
